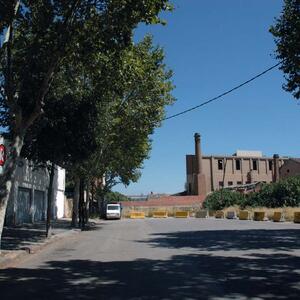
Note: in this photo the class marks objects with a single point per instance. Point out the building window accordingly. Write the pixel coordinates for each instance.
(220, 164)
(270, 165)
(239, 183)
(220, 183)
(230, 183)
(254, 164)
(237, 164)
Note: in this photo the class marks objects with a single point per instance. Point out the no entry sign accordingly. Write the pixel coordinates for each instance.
(2, 155)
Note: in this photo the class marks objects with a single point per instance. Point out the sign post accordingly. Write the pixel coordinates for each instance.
(2, 155)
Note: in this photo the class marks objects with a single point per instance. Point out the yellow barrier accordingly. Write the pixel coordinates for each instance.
(297, 217)
(181, 214)
(259, 216)
(160, 214)
(219, 214)
(137, 215)
(244, 215)
(277, 216)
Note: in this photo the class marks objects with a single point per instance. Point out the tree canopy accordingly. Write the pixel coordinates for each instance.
(286, 32)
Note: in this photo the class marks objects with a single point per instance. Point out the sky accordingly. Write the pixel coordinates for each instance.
(212, 46)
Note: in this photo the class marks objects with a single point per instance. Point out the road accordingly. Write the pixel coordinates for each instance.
(164, 259)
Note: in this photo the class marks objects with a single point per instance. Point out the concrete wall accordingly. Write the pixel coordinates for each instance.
(290, 168)
(192, 209)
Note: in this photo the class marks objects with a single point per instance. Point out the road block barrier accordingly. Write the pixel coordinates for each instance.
(181, 214)
(137, 215)
(277, 216)
(219, 214)
(230, 214)
(297, 217)
(160, 214)
(259, 216)
(244, 215)
(201, 214)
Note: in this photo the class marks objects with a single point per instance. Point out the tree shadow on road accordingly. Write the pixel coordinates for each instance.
(21, 237)
(214, 240)
(181, 277)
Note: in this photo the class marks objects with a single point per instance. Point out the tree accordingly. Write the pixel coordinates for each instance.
(286, 32)
(39, 36)
(138, 108)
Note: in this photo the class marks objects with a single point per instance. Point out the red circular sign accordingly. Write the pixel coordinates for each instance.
(2, 155)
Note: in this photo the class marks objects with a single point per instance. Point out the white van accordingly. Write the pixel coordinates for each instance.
(113, 211)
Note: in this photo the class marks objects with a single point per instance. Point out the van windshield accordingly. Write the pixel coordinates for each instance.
(113, 207)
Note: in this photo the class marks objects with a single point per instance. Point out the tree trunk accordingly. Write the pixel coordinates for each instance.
(49, 201)
(92, 207)
(88, 201)
(82, 206)
(75, 203)
(6, 178)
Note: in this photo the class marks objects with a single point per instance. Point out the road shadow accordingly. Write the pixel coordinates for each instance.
(181, 277)
(22, 237)
(214, 240)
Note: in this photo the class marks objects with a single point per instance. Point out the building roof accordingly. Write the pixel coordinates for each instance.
(248, 153)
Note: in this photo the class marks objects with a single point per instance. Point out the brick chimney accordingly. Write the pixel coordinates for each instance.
(198, 153)
(199, 186)
(276, 168)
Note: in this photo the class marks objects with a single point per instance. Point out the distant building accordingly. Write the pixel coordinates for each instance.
(206, 173)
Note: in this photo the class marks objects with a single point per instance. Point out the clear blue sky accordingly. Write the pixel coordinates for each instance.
(213, 45)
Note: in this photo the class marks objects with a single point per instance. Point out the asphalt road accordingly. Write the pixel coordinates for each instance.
(164, 259)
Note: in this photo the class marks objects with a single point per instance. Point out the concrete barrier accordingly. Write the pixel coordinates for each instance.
(160, 214)
(277, 216)
(259, 216)
(230, 214)
(201, 214)
(181, 214)
(244, 215)
(137, 215)
(219, 214)
(297, 217)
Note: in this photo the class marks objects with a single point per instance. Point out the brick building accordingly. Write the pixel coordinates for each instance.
(206, 173)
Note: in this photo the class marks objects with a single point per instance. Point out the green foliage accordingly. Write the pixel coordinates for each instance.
(133, 108)
(46, 34)
(222, 198)
(284, 193)
(115, 197)
(286, 32)
(281, 194)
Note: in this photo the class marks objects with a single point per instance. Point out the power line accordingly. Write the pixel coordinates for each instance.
(223, 94)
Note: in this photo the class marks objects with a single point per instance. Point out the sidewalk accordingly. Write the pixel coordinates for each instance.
(20, 241)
